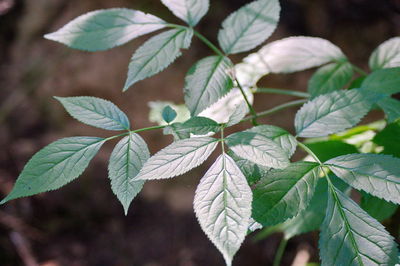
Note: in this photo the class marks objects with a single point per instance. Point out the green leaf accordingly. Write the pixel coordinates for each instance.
(190, 11)
(282, 194)
(194, 126)
(238, 114)
(333, 112)
(249, 26)
(329, 149)
(295, 54)
(126, 160)
(178, 158)
(385, 81)
(252, 171)
(376, 174)
(330, 78)
(105, 29)
(258, 149)
(389, 139)
(349, 236)
(55, 166)
(223, 206)
(157, 53)
(283, 138)
(377, 208)
(386, 55)
(168, 114)
(206, 82)
(391, 107)
(95, 112)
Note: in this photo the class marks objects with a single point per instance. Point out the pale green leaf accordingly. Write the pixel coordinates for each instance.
(252, 171)
(194, 126)
(389, 139)
(178, 158)
(223, 206)
(238, 114)
(376, 174)
(283, 138)
(168, 114)
(96, 112)
(391, 107)
(105, 29)
(283, 193)
(258, 149)
(333, 112)
(386, 55)
(206, 82)
(157, 53)
(126, 160)
(249, 26)
(190, 11)
(55, 166)
(349, 236)
(295, 54)
(386, 81)
(330, 78)
(376, 207)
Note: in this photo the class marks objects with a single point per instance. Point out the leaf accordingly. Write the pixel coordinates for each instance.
(156, 108)
(156, 54)
(194, 126)
(55, 166)
(206, 82)
(282, 194)
(283, 138)
(330, 78)
(223, 206)
(298, 53)
(333, 112)
(257, 149)
(249, 26)
(389, 139)
(379, 209)
(391, 107)
(238, 114)
(104, 29)
(386, 55)
(349, 236)
(178, 158)
(95, 112)
(190, 11)
(126, 160)
(329, 149)
(252, 171)
(386, 81)
(376, 174)
(168, 114)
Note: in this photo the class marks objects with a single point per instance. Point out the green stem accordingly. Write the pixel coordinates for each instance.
(309, 151)
(280, 251)
(252, 111)
(283, 92)
(208, 43)
(276, 109)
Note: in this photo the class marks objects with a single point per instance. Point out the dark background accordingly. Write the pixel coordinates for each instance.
(83, 223)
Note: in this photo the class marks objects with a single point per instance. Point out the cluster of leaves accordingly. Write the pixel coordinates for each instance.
(253, 183)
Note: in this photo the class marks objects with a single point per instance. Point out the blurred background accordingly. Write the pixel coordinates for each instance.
(83, 223)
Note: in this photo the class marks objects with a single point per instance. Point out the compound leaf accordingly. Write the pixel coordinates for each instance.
(385, 81)
(249, 26)
(386, 55)
(283, 193)
(126, 160)
(55, 166)
(104, 29)
(349, 236)
(95, 112)
(190, 11)
(376, 174)
(157, 53)
(223, 206)
(206, 82)
(258, 149)
(333, 112)
(330, 78)
(178, 158)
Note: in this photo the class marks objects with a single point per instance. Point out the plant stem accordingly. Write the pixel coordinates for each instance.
(309, 151)
(359, 70)
(283, 92)
(252, 111)
(208, 43)
(276, 109)
(280, 251)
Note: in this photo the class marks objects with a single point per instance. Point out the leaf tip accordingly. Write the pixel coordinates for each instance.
(50, 36)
